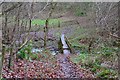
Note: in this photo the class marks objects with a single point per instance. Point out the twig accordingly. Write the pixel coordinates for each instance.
(44, 7)
(115, 36)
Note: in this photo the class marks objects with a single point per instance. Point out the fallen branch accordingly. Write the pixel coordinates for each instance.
(113, 35)
(23, 44)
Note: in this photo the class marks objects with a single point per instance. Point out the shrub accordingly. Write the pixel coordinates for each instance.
(25, 52)
(106, 73)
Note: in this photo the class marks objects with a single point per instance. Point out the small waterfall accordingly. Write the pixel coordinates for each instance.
(65, 46)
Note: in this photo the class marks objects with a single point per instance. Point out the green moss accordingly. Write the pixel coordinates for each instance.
(42, 22)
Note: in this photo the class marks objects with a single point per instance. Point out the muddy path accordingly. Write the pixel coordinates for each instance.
(72, 70)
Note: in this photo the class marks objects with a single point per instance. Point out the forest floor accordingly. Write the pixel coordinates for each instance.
(79, 31)
(63, 67)
(71, 70)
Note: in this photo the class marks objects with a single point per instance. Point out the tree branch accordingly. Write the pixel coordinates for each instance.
(12, 8)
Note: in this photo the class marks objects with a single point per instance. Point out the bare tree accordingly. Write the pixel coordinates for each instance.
(106, 16)
(47, 22)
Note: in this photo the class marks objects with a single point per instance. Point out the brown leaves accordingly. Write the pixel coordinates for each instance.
(52, 68)
(33, 69)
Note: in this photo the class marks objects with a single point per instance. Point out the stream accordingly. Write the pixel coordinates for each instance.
(70, 69)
